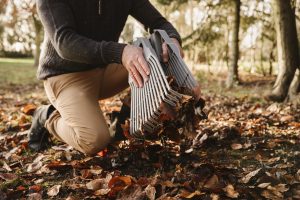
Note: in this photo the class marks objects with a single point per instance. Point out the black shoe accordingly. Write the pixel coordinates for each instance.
(38, 135)
(117, 119)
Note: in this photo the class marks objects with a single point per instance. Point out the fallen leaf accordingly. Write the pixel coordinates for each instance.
(53, 191)
(188, 195)
(86, 174)
(214, 197)
(21, 188)
(33, 167)
(272, 160)
(212, 182)
(143, 181)
(199, 139)
(35, 188)
(28, 109)
(287, 118)
(5, 166)
(230, 192)
(35, 196)
(39, 181)
(189, 151)
(263, 185)
(247, 178)
(59, 166)
(236, 146)
(8, 177)
(169, 184)
(119, 183)
(101, 192)
(72, 198)
(102, 153)
(95, 184)
(150, 192)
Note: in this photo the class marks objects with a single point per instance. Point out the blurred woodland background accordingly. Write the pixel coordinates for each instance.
(229, 37)
(245, 55)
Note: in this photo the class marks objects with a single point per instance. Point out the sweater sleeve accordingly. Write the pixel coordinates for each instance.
(59, 24)
(149, 16)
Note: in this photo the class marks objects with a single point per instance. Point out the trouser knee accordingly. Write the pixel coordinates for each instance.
(92, 143)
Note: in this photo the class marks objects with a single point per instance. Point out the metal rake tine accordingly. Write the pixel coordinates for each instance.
(132, 112)
(135, 110)
(158, 83)
(131, 108)
(183, 74)
(192, 82)
(178, 75)
(167, 97)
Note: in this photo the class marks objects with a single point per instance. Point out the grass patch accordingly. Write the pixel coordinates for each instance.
(17, 71)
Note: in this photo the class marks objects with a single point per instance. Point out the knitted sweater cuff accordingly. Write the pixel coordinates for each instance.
(112, 52)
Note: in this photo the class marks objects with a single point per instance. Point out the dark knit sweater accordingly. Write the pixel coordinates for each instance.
(83, 34)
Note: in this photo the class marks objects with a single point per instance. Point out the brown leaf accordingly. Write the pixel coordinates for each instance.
(188, 195)
(236, 146)
(150, 192)
(5, 166)
(35, 196)
(287, 118)
(167, 112)
(119, 183)
(102, 153)
(95, 184)
(263, 185)
(212, 182)
(272, 160)
(53, 191)
(28, 109)
(143, 181)
(214, 197)
(230, 192)
(35, 188)
(86, 174)
(101, 192)
(59, 166)
(33, 167)
(21, 188)
(72, 198)
(169, 184)
(247, 178)
(8, 177)
(96, 170)
(133, 192)
(294, 124)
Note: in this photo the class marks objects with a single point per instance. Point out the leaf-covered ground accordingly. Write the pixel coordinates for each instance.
(247, 149)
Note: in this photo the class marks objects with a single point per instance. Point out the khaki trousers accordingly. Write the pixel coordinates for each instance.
(78, 120)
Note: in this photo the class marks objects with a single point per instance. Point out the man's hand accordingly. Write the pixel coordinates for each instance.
(165, 54)
(136, 65)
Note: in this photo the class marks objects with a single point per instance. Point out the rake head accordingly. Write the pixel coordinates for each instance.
(164, 90)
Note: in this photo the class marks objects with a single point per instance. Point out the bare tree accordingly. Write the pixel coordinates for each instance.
(232, 76)
(28, 7)
(287, 45)
(295, 85)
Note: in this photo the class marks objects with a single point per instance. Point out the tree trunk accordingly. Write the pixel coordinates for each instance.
(287, 46)
(232, 77)
(38, 40)
(294, 90)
